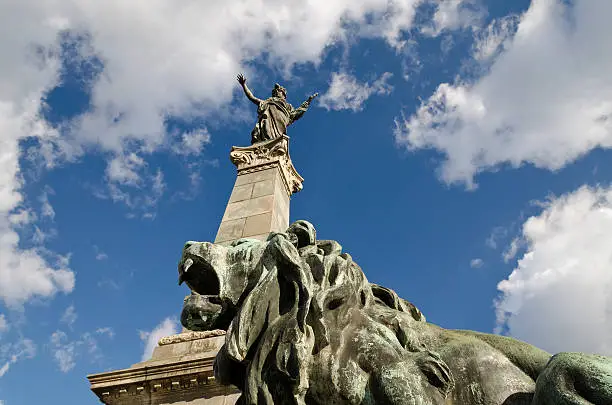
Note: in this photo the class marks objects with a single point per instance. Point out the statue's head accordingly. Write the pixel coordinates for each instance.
(279, 91)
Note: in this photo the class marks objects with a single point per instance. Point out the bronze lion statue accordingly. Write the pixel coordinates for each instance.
(304, 326)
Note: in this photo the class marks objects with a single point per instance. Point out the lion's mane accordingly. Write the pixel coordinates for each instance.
(283, 321)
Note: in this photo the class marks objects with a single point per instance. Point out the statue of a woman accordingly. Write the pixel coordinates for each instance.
(274, 114)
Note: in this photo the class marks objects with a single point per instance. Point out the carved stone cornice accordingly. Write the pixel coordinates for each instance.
(267, 154)
(189, 336)
(167, 383)
(181, 369)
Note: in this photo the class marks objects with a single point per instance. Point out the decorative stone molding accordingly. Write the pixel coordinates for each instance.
(162, 383)
(263, 155)
(189, 336)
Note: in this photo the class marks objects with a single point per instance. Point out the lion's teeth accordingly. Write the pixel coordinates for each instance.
(187, 265)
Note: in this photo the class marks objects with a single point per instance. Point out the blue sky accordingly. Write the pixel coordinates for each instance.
(459, 150)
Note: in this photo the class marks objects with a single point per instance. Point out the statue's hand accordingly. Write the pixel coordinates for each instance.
(241, 79)
(312, 97)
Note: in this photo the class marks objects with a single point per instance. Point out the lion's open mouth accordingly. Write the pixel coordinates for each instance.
(201, 277)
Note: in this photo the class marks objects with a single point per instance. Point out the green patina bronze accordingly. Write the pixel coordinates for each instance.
(274, 114)
(304, 326)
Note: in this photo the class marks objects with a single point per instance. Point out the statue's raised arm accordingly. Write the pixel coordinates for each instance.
(274, 114)
(247, 91)
(298, 112)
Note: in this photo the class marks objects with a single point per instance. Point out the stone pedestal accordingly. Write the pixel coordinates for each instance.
(181, 368)
(259, 203)
(180, 371)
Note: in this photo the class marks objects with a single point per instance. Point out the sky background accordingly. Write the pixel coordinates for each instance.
(459, 150)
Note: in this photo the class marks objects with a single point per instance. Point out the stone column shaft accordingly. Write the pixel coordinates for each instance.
(259, 203)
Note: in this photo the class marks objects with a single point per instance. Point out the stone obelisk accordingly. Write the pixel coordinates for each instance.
(180, 371)
(259, 203)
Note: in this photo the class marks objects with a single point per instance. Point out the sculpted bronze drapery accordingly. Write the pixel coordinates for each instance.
(274, 114)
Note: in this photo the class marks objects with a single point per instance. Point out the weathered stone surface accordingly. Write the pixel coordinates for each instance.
(262, 188)
(274, 114)
(254, 177)
(304, 326)
(259, 203)
(189, 336)
(241, 193)
(230, 230)
(179, 371)
(251, 160)
(247, 208)
(258, 224)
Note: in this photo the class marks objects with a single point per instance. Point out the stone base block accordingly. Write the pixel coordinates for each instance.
(180, 371)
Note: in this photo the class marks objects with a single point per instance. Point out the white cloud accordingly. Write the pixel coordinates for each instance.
(346, 93)
(66, 351)
(167, 327)
(160, 58)
(512, 249)
(69, 316)
(22, 217)
(123, 169)
(495, 37)
(559, 296)
(539, 103)
(123, 180)
(476, 263)
(452, 15)
(46, 208)
(28, 273)
(11, 353)
(24, 273)
(192, 142)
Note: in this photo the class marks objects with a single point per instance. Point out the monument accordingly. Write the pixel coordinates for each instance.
(180, 370)
(277, 316)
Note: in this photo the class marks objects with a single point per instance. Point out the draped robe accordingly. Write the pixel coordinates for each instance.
(274, 115)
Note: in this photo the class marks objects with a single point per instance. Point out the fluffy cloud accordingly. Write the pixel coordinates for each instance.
(66, 351)
(27, 273)
(123, 169)
(452, 15)
(346, 93)
(11, 353)
(167, 327)
(494, 38)
(559, 296)
(156, 59)
(545, 100)
(192, 142)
